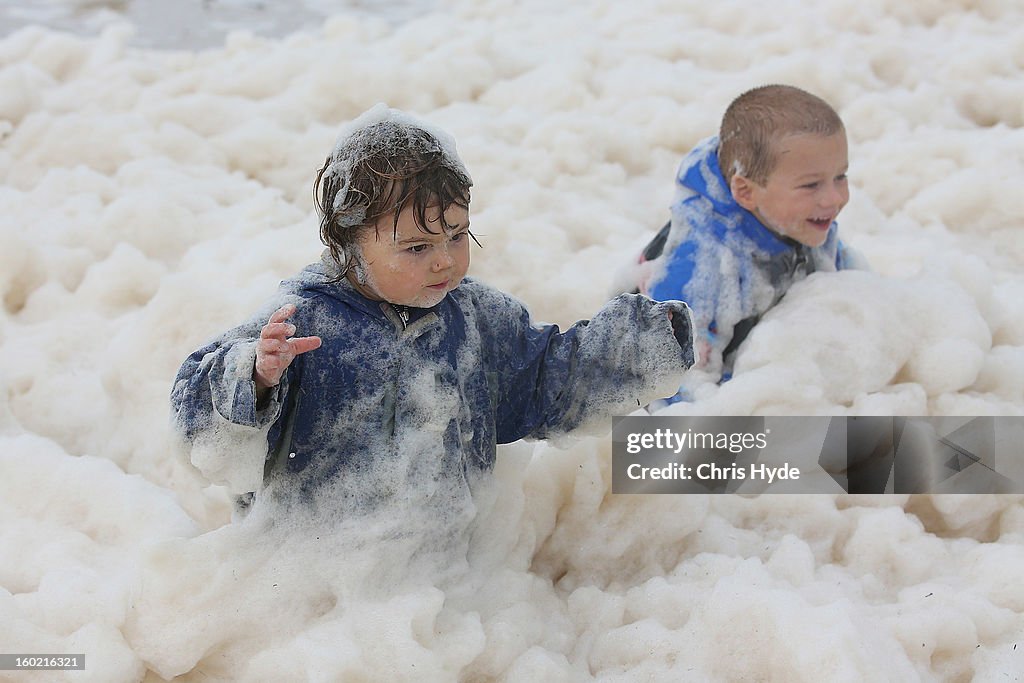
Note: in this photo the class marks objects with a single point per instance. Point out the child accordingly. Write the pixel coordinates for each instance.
(384, 365)
(755, 212)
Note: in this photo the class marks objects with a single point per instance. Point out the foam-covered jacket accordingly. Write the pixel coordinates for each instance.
(720, 259)
(400, 395)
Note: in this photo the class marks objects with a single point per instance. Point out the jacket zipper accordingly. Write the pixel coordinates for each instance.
(800, 261)
(403, 315)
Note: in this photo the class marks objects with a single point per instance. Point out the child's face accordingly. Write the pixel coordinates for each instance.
(806, 190)
(413, 267)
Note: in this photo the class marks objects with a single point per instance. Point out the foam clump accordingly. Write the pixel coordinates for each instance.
(152, 200)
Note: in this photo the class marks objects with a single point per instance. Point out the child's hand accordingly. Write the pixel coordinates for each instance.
(681, 328)
(275, 352)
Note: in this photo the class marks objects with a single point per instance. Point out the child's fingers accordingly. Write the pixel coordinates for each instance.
(274, 351)
(272, 358)
(282, 314)
(277, 330)
(273, 347)
(304, 344)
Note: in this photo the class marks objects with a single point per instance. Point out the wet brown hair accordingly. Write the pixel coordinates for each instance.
(758, 118)
(378, 171)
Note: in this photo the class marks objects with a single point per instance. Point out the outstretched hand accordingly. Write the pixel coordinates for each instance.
(275, 350)
(680, 322)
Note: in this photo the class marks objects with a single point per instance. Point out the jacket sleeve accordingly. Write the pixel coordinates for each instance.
(548, 382)
(679, 267)
(702, 292)
(214, 408)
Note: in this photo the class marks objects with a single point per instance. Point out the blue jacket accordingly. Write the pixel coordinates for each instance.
(448, 385)
(722, 261)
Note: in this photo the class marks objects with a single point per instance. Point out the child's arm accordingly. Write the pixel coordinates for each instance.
(220, 409)
(547, 382)
(680, 281)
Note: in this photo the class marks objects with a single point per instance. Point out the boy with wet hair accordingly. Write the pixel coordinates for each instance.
(382, 373)
(754, 212)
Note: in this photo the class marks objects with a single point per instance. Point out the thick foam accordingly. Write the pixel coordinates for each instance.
(151, 200)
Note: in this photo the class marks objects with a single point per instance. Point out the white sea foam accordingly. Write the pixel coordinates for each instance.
(154, 199)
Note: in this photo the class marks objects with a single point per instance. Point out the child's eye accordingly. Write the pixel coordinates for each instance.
(841, 178)
(811, 186)
(457, 237)
(417, 248)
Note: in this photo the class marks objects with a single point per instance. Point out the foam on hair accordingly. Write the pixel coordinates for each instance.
(383, 161)
(755, 120)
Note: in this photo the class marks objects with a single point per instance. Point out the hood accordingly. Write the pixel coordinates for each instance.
(324, 278)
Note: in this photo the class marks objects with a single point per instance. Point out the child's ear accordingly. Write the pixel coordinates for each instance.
(742, 189)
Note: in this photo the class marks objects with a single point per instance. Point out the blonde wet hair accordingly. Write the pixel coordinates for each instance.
(759, 118)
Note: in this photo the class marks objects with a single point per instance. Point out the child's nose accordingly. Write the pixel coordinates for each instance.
(444, 260)
(833, 195)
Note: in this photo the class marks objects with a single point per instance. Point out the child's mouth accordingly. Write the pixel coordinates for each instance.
(820, 223)
(440, 285)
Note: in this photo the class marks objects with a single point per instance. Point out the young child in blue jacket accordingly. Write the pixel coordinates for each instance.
(382, 371)
(755, 211)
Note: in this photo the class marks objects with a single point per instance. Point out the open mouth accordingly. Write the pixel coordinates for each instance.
(820, 223)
